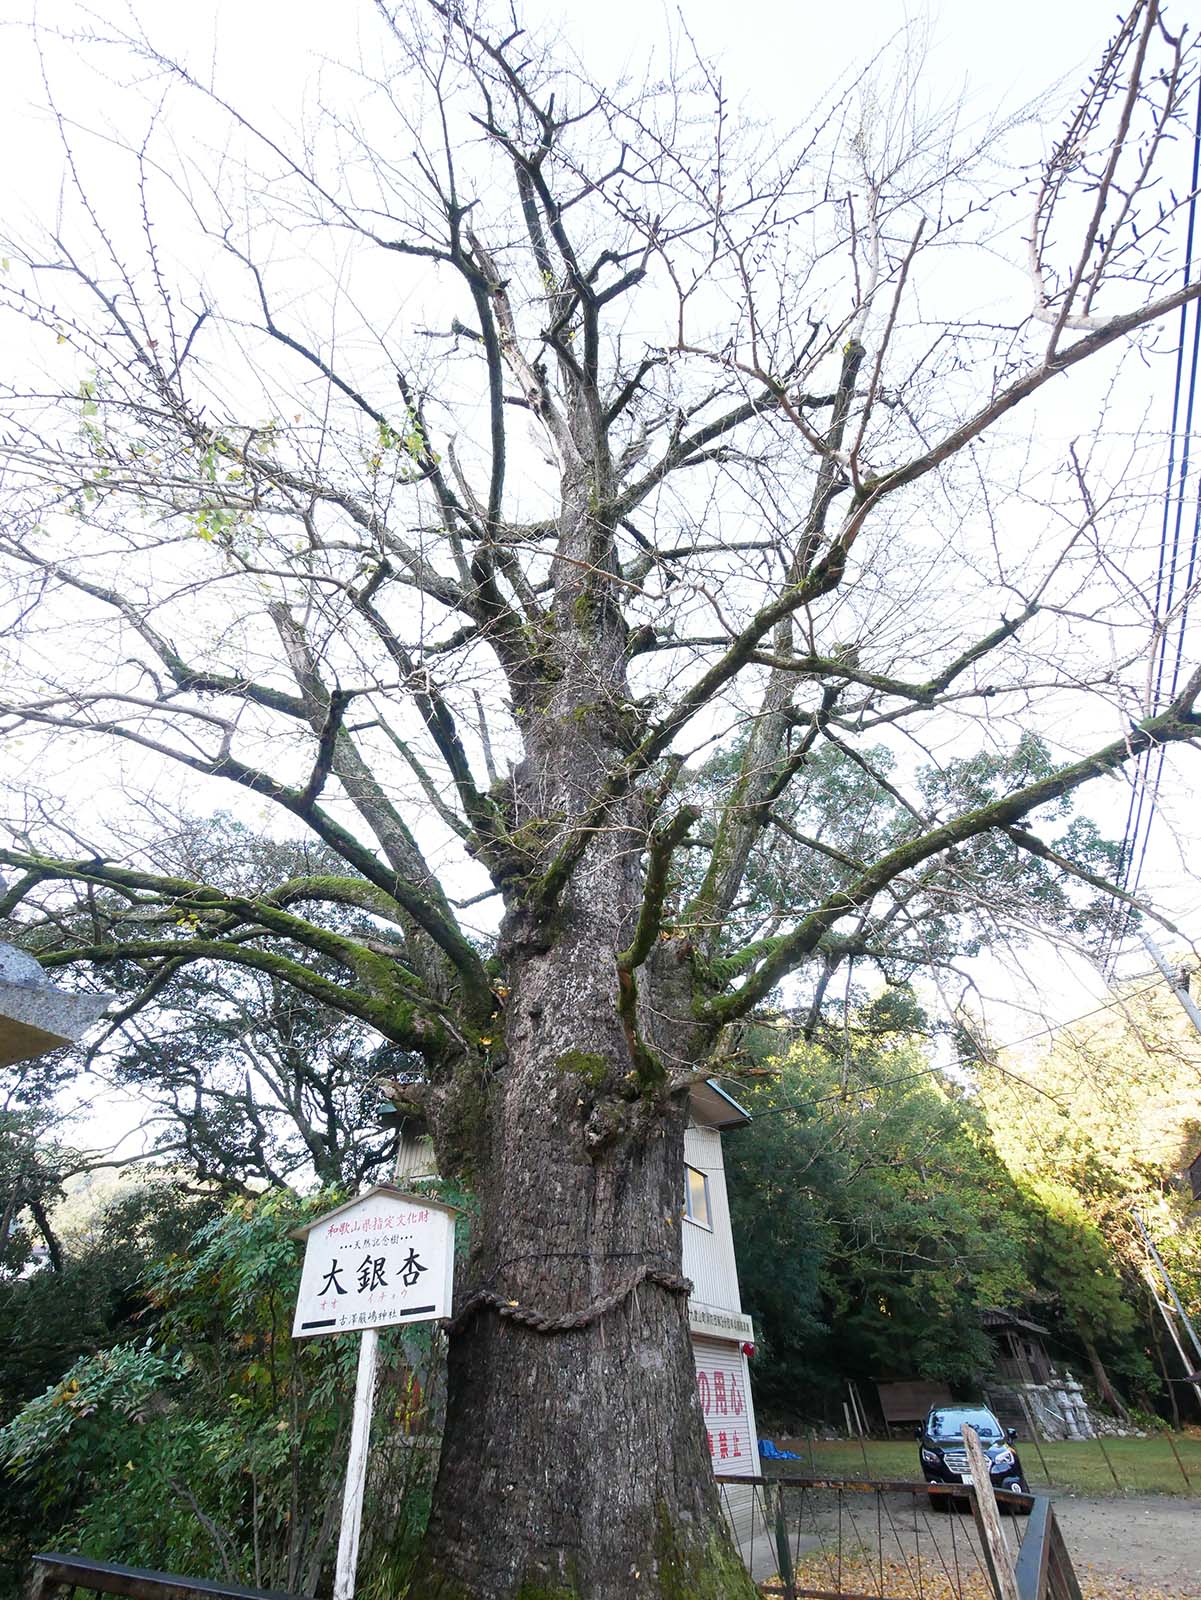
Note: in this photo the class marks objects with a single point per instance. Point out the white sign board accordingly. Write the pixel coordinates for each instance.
(384, 1258)
(719, 1324)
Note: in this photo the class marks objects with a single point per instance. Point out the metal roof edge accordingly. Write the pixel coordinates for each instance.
(741, 1115)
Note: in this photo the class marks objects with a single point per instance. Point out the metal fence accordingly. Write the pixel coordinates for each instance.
(800, 1538)
(811, 1538)
(1155, 1462)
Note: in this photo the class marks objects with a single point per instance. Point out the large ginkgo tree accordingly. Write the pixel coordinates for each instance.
(455, 471)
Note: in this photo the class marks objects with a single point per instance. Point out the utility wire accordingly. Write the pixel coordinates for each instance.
(1144, 792)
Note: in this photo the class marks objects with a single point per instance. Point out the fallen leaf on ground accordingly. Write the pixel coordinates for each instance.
(930, 1580)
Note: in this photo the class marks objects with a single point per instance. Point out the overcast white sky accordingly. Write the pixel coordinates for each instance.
(776, 58)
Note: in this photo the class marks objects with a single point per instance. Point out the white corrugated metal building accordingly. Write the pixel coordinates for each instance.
(721, 1334)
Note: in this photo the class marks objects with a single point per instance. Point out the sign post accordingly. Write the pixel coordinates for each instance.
(356, 1466)
(383, 1259)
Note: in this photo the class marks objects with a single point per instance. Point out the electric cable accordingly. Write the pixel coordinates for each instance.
(1144, 793)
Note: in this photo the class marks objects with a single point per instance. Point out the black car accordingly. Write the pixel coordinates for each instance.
(944, 1456)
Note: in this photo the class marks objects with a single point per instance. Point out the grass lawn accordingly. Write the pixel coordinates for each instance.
(1142, 1466)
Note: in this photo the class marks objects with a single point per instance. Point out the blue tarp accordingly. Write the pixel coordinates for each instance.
(769, 1452)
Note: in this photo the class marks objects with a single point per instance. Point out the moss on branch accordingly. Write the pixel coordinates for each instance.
(398, 1015)
(1180, 722)
(663, 843)
(356, 892)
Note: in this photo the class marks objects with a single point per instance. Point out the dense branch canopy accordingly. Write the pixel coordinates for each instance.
(453, 475)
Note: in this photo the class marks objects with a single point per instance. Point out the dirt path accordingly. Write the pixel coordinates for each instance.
(1151, 1539)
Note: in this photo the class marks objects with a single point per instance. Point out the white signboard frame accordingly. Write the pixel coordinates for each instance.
(385, 1258)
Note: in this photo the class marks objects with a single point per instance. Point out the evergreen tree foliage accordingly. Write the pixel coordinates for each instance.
(199, 1437)
(880, 1205)
(873, 1219)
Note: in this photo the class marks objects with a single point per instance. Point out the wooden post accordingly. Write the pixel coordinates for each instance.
(1167, 1433)
(1117, 1482)
(1064, 1583)
(857, 1404)
(988, 1520)
(1032, 1568)
(356, 1466)
(1032, 1424)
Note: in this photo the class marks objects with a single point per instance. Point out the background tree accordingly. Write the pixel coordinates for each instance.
(92, 1298)
(192, 1432)
(1082, 1287)
(1111, 1133)
(253, 1083)
(35, 1159)
(246, 1079)
(874, 1222)
(879, 1210)
(844, 808)
(242, 1079)
(627, 427)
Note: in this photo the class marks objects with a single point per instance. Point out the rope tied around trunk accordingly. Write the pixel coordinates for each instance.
(567, 1321)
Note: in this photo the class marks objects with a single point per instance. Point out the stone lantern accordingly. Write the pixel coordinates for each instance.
(36, 1016)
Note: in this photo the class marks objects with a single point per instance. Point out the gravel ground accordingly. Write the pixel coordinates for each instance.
(1135, 1543)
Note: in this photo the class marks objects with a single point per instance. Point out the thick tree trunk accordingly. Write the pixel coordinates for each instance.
(1105, 1388)
(574, 1461)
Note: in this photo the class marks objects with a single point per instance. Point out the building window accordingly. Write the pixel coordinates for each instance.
(696, 1198)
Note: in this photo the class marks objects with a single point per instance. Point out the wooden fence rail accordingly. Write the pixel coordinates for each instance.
(1043, 1569)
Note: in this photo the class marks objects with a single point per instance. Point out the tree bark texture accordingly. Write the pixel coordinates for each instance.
(574, 1462)
(1109, 1395)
